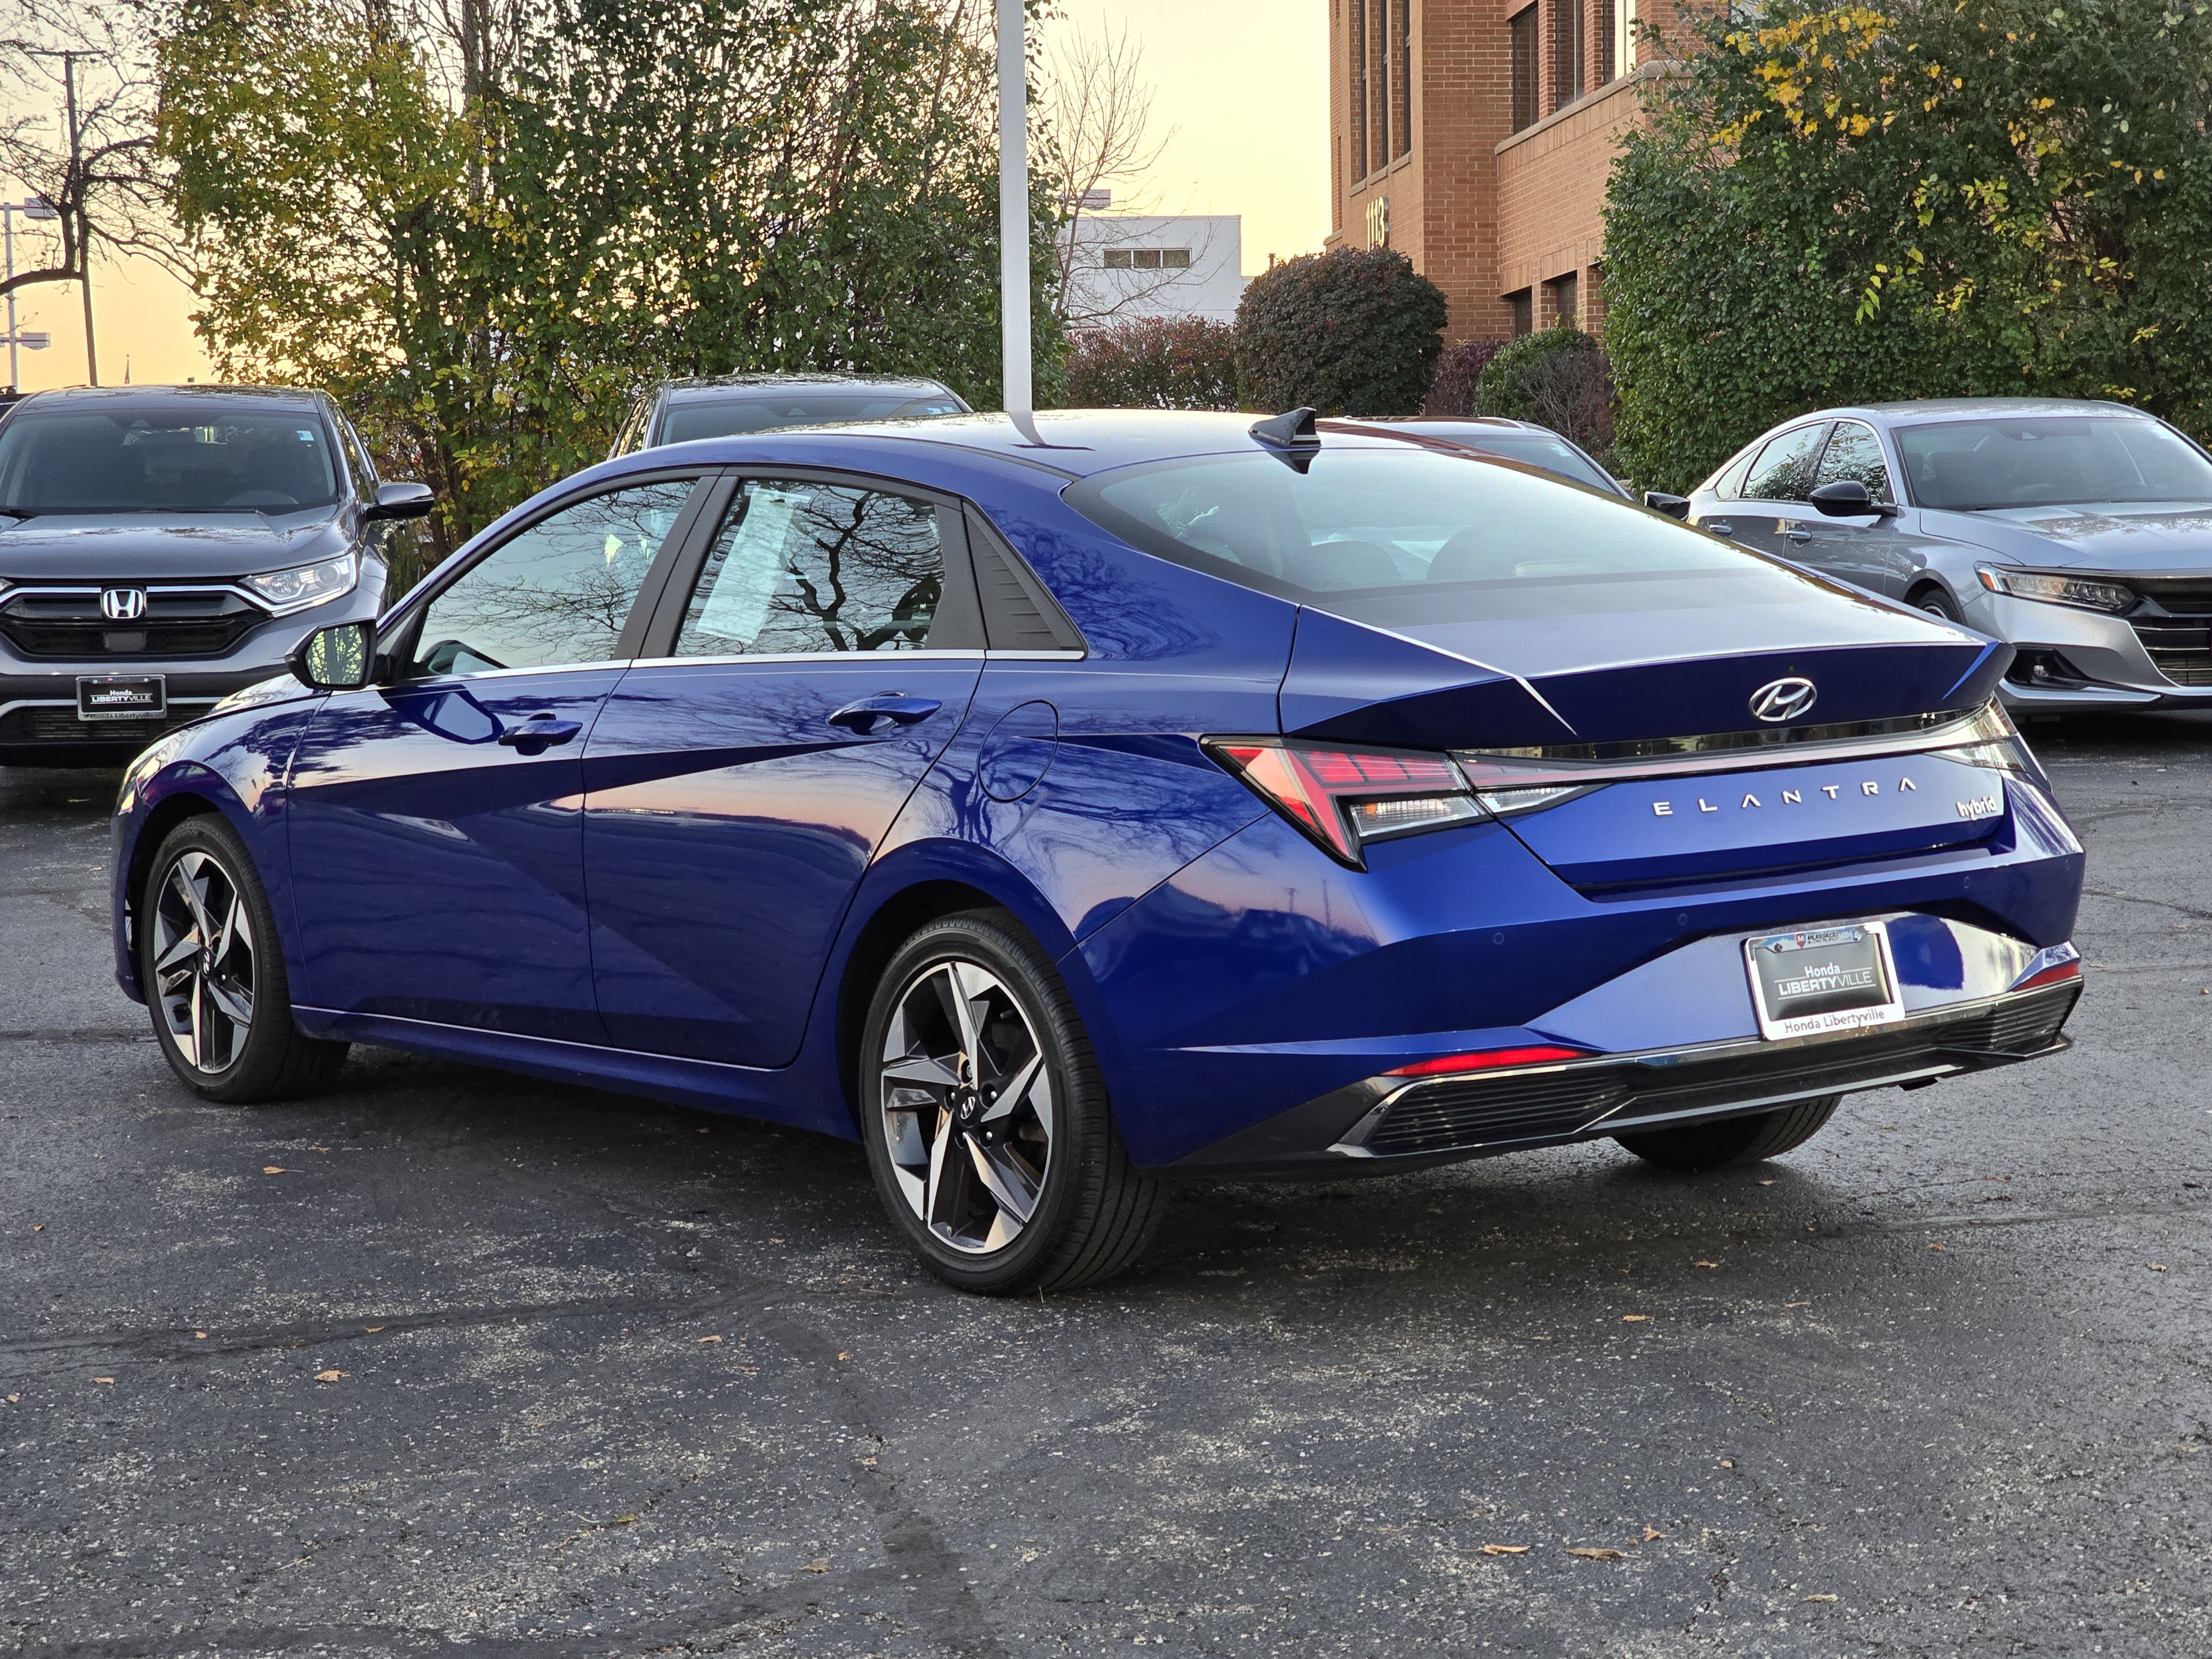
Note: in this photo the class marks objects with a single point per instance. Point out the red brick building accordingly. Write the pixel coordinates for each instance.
(1474, 136)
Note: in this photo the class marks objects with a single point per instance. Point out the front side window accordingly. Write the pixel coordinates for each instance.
(557, 593)
(1854, 456)
(1784, 471)
(800, 568)
(1968, 466)
(181, 456)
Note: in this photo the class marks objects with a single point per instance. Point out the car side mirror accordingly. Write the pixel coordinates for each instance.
(1847, 498)
(1675, 507)
(339, 657)
(402, 501)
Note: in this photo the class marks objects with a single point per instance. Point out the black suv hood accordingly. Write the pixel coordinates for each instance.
(147, 548)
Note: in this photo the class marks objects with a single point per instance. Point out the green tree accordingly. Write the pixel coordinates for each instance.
(1850, 203)
(487, 228)
(1351, 331)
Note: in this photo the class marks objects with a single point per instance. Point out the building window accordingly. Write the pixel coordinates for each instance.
(1563, 292)
(1358, 58)
(1617, 44)
(1522, 307)
(1148, 258)
(1378, 34)
(1523, 29)
(1405, 101)
(1566, 51)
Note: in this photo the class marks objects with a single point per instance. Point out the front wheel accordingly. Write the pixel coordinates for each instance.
(986, 1117)
(1936, 602)
(214, 976)
(1733, 1139)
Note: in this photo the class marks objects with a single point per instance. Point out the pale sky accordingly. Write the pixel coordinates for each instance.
(1243, 83)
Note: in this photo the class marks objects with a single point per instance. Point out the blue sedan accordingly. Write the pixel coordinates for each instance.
(1183, 796)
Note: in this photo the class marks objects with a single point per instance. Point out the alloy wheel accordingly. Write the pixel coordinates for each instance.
(966, 1096)
(203, 962)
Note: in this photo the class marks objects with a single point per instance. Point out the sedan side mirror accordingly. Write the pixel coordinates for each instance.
(339, 657)
(1675, 507)
(1847, 498)
(402, 501)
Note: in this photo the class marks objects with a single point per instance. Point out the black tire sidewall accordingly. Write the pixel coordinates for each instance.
(253, 1072)
(1080, 1138)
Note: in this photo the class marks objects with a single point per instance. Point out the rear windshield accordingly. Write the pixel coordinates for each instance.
(1968, 466)
(756, 411)
(172, 457)
(1541, 449)
(1367, 519)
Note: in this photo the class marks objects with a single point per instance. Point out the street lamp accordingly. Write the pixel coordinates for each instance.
(38, 211)
(1014, 347)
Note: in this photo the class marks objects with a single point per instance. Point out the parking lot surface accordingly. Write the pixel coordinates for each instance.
(450, 1362)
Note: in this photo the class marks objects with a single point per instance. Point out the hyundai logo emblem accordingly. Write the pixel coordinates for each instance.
(1784, 700)
(123, 604)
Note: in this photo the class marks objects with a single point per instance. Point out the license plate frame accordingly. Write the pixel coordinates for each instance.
(122, 696)
(1845, 980)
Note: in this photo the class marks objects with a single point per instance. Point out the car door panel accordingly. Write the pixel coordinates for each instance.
(1869, 551)
(1771, 514)
(736, 789)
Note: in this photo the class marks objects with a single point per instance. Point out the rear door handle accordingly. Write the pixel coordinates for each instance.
(892, 708)
(539, 733)
(1798, 533)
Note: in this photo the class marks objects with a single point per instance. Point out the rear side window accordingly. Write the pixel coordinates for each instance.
(800, 568)
(1382, 519)
(1784, 471)
(1542, 449)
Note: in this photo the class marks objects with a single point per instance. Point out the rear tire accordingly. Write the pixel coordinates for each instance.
(1733, 1141)
(213, 973)
(985, 1116)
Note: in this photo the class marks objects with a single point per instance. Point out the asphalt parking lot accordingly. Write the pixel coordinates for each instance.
(456, 1362)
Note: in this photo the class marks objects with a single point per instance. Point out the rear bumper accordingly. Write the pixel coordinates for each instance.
(1384, 1125)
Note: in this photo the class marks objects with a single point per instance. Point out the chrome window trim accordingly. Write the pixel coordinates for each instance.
(498, 674)
(964, 654)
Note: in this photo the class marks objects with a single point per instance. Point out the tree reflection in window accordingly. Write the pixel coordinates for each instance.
(558, 592)
(812, 567)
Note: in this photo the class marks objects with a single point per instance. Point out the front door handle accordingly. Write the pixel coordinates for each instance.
(1718, 526)
(539, 733)
(892, 708)
(1798, 533)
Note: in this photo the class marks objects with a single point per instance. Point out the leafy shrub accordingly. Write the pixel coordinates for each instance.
(1895, 200)
(1351, 331)
(1458, 372)
(1153, 362)
(1558, 377)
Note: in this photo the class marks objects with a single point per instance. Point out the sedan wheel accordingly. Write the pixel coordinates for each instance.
(986, 1116)
(204, 962)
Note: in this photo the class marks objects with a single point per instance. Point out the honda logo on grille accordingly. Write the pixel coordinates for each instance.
(1783, 700)
(123, 604)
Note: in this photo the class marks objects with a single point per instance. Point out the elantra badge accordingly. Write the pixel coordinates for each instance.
(1784, 700)
(123, 604)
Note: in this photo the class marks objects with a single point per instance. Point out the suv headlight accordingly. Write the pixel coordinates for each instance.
(2076, 591)
(287, 591)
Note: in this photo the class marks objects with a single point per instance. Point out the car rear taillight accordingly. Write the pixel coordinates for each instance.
(1488, 1059)
(1344, 797)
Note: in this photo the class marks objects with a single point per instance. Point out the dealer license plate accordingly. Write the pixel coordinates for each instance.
(1822, 980)
(121, 696)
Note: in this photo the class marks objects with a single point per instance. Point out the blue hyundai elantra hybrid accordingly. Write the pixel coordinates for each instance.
(1175, 796)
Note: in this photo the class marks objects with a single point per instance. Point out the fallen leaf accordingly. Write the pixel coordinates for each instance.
(1936, 1246)
(844, 1356)
(1704, 1264)
(40, 1228)
(623, 1521)
(199, 1336)
(1727, 1464)
(816, 1566)
(2159, 1267)
(710, 1339)
(750, 1370)
(1820, 1598)
(103, 1379)
(1796, 1304)
(328, 1376)
(272, 1169)
(1768, 1182)
(1635, 1319)
(775, 1241)
(372, 1329)
(1651, 1533)
(869, 1462)
(318, 1149)
(706, 1132)
(1505, 1549)
(13, 1398)
(1599, 1555)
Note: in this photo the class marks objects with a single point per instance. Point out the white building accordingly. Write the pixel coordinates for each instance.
(1122, 265)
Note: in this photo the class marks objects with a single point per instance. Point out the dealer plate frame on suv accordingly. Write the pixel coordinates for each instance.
(1817, 981)
(122, 696)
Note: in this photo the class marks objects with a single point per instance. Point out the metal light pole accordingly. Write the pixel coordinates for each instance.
(36, 208)
(1017, 392)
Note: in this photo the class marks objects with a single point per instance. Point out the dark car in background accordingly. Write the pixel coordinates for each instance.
(1510, 440)
(723, 406)
(161, 547)
(2079, 532)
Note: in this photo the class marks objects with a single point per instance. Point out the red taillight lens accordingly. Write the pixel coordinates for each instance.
(2064, 970)
(1487, 1059)
(1343, 797)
